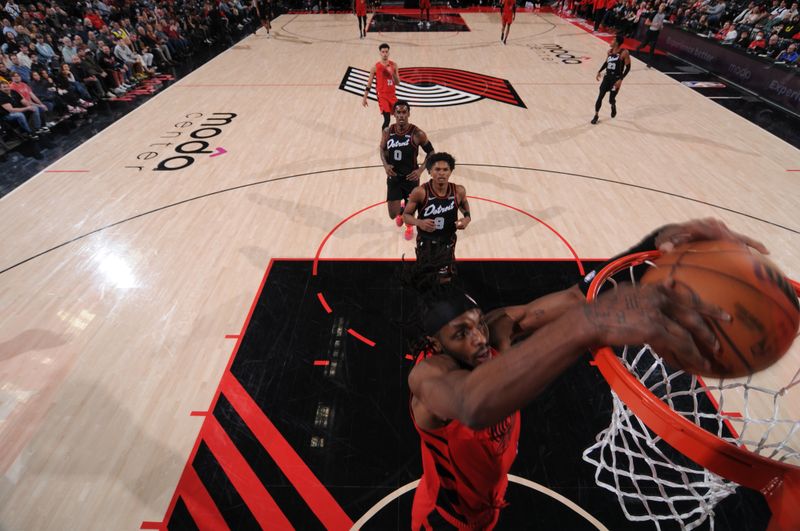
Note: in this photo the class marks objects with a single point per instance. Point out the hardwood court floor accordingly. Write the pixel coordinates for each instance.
(119, 284)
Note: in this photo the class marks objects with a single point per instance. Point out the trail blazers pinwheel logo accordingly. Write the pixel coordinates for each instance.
(437, 87)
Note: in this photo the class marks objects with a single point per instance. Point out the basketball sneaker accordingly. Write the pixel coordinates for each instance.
(409, 232)
(399, 220)
(594, 120)
(613, 111)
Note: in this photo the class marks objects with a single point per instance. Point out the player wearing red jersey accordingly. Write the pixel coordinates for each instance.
(509, 14)
(386, 79)
(360, 9)
(425, 12)
(476, 371)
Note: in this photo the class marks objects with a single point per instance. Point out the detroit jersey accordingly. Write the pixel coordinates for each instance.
(614, 65)
(402, 150)
(443, 210)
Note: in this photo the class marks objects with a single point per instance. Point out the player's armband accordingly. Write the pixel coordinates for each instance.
(428, 147)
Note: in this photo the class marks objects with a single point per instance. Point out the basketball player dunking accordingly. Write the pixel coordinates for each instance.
(386, 79)
(399, 148)
(470, 381)
(437, 204)
(617, 66)
(509, 14)
(360, 9)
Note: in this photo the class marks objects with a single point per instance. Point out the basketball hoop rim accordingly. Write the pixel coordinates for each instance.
(779, 482)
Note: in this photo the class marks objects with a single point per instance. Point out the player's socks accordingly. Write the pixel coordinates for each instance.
(594, 120)
(613, 111)
(409, 232)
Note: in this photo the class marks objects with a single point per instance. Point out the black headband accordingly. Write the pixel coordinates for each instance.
(443, 311)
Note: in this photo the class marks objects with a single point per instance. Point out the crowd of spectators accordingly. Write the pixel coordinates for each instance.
(60, 58)
(768, 28)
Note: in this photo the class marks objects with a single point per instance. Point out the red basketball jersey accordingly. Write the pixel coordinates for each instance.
(384, 79)
(464, 472)
(361, 8)
(508, 6)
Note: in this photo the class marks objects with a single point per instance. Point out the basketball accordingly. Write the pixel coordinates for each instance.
(750, 288)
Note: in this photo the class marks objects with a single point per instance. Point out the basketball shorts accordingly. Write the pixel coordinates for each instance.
(424, 4)
(507, 18)
(399, 187)
(385, 103)
(440, 253)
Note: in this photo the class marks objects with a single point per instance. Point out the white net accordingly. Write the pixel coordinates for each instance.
(654, 482)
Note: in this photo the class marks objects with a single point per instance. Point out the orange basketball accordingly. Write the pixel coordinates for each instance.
(747, 286)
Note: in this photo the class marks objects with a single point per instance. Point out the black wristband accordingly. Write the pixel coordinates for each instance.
(466, 214)
(647, 244)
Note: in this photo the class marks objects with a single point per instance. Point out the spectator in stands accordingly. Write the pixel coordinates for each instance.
(115, 69)
(68, 50)
(773, 47)
(715, 12)
(723, 32)
(44, 87)
(14, 111)
(17, 68)
(8, 28)
(44, 51)
(10, 46)
(788, 56)
(134, 62)
(790, 28)
(743, 41)
(12, 9)
(756, 15)
(29, 98)
(740, 18)
(66, 81)
(758, 44)
(91, 82)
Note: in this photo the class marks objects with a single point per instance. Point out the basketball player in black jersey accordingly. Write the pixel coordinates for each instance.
(617, 66)
(264, 9)
(436, 204)
(400, 143)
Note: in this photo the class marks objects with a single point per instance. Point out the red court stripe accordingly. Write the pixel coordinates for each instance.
(360, 337)
(198, 414)
(321, 363)
(244, 480)
(152, 525)
(199, 503)
(792, 170)
(334, 229)
(231, 336)
(323, 302)
(316, 496)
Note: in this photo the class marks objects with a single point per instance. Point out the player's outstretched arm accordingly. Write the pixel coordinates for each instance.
(653, 314)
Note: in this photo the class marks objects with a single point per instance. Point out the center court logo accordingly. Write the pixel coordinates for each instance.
(437, 87)
(556, 52)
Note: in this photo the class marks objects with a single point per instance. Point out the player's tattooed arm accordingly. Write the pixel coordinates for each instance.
(417, 197)
(389, 168)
